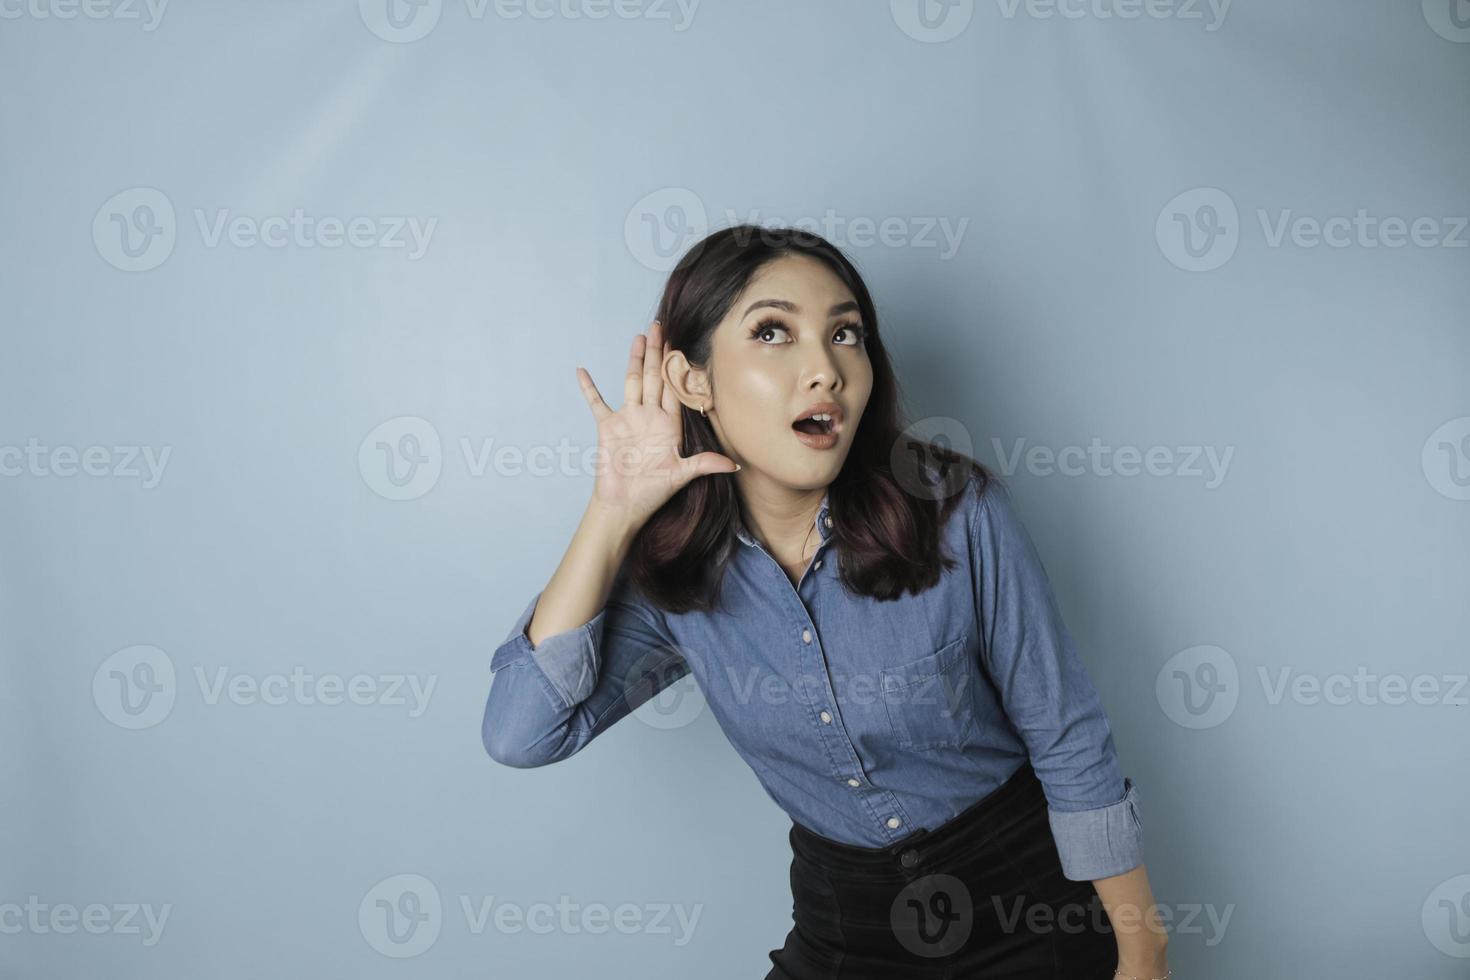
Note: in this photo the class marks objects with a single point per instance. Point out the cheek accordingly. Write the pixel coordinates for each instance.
(754, 406)
(755, 412)
(753, 390)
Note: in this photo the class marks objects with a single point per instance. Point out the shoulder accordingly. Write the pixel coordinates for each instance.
(982, 497)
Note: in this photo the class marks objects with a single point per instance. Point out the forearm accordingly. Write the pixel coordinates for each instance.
(1137, 926)
(579, 588)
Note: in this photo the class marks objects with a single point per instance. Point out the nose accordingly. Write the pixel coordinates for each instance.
(821, 368)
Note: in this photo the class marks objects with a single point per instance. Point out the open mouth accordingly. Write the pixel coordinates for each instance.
(816, 427)
(821, 421)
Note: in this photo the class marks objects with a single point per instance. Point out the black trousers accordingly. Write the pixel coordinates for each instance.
(981, 896)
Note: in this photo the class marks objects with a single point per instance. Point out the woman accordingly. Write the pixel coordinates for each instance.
(869, 623)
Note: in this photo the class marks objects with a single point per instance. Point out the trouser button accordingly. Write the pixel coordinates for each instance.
(908, 859)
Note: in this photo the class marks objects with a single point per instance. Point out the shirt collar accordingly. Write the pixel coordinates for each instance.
(823, 523)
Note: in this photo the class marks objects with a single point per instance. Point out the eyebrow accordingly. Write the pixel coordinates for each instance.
(849, 307)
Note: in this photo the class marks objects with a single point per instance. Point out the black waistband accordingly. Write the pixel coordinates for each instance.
(1015, 799)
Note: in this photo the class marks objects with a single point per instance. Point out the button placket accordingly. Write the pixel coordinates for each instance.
(880, 800)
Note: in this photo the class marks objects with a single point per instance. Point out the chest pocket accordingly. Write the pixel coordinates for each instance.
(930, 702)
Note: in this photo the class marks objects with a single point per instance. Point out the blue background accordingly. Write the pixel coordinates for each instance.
(327, 502)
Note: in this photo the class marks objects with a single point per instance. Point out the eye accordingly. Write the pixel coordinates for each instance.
(857, 331)
(768, 325)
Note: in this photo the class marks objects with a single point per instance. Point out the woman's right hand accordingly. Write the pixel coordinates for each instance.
(639, 466)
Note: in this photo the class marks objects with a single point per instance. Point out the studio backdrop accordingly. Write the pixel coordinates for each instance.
(290, 432)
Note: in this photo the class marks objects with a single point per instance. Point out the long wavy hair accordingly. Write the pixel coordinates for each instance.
(887, 537)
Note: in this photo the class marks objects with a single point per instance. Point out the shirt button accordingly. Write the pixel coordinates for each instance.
(829, 522)
(806, 636)
(893, 823)
(826, 718)
(817, 563)
(853, 782)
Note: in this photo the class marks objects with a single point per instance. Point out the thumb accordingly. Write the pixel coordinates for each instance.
(708, 464)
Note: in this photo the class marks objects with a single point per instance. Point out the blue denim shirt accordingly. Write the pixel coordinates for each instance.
(863, 720)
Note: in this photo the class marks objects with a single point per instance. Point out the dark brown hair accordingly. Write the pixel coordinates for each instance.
(887, 537)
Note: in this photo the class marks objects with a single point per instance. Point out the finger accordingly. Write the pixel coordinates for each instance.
(653, 349)
(599, 407)
(633, 376)
(708, 464)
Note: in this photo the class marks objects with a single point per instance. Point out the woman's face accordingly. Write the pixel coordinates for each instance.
(792, 340)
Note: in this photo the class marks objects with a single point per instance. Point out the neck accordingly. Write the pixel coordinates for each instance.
(782, 519)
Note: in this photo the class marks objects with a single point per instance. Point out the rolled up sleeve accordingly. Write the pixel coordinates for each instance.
(1101, 842)
(568, 659)
(1049, 698)
(548, 702)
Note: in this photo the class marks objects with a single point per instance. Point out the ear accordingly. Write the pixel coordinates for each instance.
(689, 384)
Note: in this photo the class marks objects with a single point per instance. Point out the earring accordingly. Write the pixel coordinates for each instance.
(701, 412)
